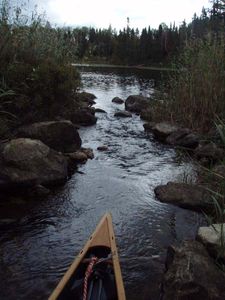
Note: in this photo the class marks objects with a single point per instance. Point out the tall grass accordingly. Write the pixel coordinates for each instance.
(35, 63)
(31, 37)
(197, 90)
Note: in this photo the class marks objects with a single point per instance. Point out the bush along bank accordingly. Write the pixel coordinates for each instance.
(40, 105)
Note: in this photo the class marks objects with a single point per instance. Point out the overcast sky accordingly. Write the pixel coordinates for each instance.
(102, 13)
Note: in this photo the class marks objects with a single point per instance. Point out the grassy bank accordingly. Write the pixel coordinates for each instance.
(196, 93)
(36, 76)
(196, 99)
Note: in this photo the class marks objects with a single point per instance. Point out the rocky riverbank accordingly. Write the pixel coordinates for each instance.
(191, 266)
(43, 154)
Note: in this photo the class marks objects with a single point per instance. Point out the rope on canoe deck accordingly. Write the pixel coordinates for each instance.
(88, 272)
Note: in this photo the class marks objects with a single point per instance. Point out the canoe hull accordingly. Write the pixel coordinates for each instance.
(100, 244)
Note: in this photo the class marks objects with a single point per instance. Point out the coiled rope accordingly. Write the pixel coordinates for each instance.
(88, 272)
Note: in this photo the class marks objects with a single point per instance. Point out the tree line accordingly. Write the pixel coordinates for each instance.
(130, 46)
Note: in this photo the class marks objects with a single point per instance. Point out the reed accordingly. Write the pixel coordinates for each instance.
(197, 91)
(216, 187)
(35, 63)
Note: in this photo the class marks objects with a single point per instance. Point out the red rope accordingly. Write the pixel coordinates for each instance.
(87, 275)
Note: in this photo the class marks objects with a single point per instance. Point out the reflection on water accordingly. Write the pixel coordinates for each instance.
(37, 248)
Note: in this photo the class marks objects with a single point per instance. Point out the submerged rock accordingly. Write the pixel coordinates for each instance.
(58, 135)
(25, 162)
(213, 238)
(192, 274)
(123, 114)
(184, 195)
(117, 100)
(103, 148)
(137, 103)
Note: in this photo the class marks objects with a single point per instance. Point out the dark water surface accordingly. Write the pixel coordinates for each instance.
(36, 250)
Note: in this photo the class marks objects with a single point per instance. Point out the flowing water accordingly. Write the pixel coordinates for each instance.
(36, 250)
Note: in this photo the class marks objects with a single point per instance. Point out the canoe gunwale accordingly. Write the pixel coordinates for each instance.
(103, 236)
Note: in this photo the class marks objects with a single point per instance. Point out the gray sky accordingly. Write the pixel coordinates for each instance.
(102, 13)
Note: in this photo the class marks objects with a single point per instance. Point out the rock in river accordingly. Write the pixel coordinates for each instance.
(84, 116)
(184, 195)
(123, 114)
(77, 157)
(137, 103)
(89, 152)
(58, 135)
(213, 237)
(87, 98)
(162, 130)
(99, 110)
(117, 100)
(192, 274)
(103, 148)
(27, 162)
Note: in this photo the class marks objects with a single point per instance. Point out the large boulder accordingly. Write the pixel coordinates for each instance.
(84, 117)
(58, 135)
(27, 162)
(137, 103)
(192, 274)
(86, 98)
(162, 130)
(184, 195)
(213, 238)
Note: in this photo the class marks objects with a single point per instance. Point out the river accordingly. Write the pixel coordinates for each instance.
(36, 250)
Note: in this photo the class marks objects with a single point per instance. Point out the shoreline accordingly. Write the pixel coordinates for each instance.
(136, 67)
